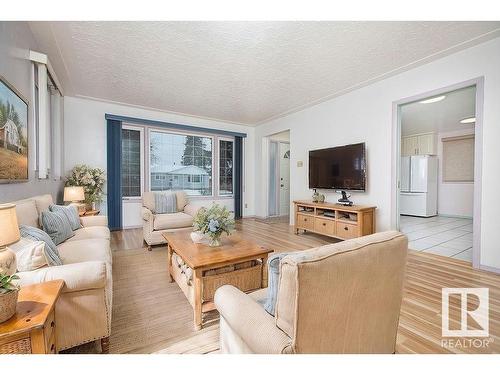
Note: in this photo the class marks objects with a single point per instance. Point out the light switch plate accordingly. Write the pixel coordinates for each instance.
(300, 164)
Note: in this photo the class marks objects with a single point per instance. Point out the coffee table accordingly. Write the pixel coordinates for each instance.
(235, 249)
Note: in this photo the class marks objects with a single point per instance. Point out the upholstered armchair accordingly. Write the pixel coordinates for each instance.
(339, 298)
(154, 225)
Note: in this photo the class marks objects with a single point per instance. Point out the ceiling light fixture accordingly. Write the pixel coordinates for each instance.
(433, 100)
(468, 120)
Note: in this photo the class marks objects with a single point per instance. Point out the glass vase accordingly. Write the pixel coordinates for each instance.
(214, 241)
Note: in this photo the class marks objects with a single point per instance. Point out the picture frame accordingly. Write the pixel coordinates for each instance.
(14, 141)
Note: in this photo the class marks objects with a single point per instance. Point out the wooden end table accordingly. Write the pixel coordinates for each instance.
(201, 257)
(32, 329)
(90, 213)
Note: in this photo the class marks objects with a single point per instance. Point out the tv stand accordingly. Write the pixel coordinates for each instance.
(334, 220)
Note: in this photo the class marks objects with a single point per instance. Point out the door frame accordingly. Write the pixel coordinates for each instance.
(276, 179)
(478, 131)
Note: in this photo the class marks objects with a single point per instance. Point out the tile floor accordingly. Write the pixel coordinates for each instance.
(441, 235)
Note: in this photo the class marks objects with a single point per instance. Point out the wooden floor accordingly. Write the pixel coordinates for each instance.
(151, 315)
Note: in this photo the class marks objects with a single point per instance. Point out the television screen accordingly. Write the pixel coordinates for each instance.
(342, 168)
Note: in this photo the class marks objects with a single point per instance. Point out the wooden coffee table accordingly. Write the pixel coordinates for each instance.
(235, 249)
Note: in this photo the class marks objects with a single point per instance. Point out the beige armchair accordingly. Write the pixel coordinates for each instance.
(154, 225)
(339, 298)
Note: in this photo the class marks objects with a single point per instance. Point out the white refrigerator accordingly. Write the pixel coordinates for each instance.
(419, 178)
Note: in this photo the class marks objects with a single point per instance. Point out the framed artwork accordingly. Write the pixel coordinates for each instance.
(13, 134)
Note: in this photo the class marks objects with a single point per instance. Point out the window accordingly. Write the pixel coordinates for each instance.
(226, 167)
(186, 158)
(131, 162)
(47, 114)
(458, 159)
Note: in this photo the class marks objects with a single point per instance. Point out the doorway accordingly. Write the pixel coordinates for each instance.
(279, 175)
(438, 147)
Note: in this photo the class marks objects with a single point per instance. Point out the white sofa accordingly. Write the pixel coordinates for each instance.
(83, 311)
(154, 225)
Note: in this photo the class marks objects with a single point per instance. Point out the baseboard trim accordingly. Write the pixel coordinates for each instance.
(489, 268)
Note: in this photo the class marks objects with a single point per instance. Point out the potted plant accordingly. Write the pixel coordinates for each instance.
(8, 296)
(213, 222)
(92, 180)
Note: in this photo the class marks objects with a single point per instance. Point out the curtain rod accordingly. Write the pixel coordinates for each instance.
(172, 125)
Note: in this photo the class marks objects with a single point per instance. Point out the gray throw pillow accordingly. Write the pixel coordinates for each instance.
(57, 226)
(165, 202)
(71, 212)
(273, 277)
(36, 234)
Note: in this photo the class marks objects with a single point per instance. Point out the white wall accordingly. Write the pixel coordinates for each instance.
(365, 115)
(16, 40)
(454, 199)
(85, 139)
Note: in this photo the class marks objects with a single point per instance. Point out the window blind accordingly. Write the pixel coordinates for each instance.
(458, 159)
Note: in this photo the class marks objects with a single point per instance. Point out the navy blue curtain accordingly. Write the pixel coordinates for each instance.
(114, 154)
(238, 177)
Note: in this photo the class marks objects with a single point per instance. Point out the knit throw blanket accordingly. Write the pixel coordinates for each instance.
(165, 202)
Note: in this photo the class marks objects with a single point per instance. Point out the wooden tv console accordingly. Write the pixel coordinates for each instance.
(334, 220)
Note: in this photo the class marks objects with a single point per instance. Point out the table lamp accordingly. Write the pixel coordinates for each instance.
(75, 195)
(9, 233)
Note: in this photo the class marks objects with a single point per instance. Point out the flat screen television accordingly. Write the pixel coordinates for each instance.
(340, 168)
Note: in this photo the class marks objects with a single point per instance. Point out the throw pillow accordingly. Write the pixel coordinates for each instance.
(57, 226)
(30, 255)
(71, 212)
(165, 202)
(50, 251)
(273, 263)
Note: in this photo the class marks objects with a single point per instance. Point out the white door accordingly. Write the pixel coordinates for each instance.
(405, 173)
(284, 178)
(418, 179)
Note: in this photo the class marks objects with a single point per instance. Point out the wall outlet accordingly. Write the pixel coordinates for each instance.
(300, 163)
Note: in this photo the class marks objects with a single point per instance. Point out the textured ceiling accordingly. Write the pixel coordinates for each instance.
(441, 116)
(243, 72)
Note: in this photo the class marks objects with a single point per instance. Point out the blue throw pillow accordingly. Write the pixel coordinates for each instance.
(71, 213)
(273, 263)
(57, 226)
(36, 234)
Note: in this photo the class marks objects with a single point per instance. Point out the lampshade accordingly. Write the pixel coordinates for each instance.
(74, 194)
(9, 230)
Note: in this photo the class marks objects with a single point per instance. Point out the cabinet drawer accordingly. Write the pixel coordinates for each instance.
(324, 226)
(347, 231)
(305, 222)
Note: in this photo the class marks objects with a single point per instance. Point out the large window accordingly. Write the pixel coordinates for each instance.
(131, 162)
(181, 162)
(226, 167)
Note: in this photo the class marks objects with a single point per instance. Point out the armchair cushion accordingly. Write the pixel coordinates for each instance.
(172, 221)
(251, 322)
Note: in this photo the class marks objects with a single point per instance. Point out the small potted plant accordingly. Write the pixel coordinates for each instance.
(213, 222)
(8, 296)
